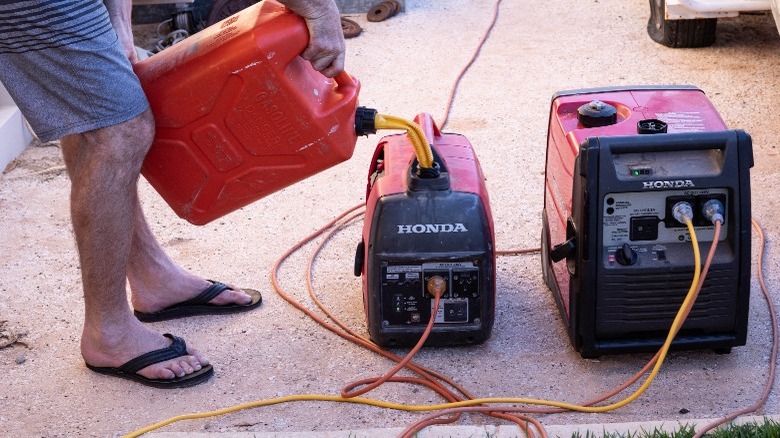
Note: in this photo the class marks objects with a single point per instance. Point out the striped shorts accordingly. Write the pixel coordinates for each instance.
(64, 66)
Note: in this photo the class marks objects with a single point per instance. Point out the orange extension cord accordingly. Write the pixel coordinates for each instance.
(427, 420)
(428, 378)
(436, 418)
(474, 56)
(770, 379)
(495, 411)
(773, 359)
(446, 386)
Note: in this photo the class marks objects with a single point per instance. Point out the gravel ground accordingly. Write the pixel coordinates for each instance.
(406, 65)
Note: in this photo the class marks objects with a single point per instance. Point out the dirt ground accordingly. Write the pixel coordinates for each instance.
(406, 65)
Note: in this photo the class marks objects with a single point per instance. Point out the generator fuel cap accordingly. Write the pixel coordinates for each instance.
(596, 113)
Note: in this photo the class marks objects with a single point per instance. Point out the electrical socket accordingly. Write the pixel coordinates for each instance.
(701, 220)
(669, 219)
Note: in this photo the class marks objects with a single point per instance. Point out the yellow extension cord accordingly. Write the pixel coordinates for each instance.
(678, 321)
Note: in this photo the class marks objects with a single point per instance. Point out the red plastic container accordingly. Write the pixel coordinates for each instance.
(240, 115)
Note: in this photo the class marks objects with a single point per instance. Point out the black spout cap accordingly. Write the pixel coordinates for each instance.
(651, 126)
(364, 121)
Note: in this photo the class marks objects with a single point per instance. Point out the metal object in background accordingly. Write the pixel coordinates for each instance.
(350, 28)
(221, 9)
(155, 11)
(361, 6)
(383, 10)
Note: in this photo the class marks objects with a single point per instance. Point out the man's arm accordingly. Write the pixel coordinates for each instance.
(326, 49)
(120, 11)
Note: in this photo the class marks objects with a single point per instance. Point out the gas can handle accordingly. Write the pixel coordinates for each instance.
(344, 79)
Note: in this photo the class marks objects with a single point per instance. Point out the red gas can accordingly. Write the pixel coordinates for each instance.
(240, 115)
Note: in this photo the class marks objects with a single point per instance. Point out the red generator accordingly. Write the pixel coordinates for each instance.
(424, 223)
(613, 255)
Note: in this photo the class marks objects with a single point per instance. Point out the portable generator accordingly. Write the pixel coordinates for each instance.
(615, 258)
(421, 224)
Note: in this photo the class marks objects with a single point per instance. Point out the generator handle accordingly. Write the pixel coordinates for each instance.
(670, 142)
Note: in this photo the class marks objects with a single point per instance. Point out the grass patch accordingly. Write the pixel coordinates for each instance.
(768, 429)
(686, 432)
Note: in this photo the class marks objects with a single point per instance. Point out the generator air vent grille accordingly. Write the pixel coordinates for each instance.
(649, 303)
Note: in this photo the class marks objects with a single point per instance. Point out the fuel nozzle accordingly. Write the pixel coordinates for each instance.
(365, 120)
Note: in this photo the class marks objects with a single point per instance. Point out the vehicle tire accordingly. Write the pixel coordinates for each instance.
(699, 32)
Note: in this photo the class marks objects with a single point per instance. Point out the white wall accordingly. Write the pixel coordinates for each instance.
(14, 134)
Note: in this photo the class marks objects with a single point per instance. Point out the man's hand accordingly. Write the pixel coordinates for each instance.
(120, 11)
(326, 49)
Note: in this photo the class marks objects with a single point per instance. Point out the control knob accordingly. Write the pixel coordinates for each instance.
(625, 255)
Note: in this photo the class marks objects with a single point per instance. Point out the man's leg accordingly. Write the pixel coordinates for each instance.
(104, 166)
(157, 282)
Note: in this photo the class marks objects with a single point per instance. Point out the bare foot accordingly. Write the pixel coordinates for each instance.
(132, 339)
(154, 294)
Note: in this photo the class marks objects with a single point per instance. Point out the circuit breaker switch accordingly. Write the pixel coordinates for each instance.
(644, 228)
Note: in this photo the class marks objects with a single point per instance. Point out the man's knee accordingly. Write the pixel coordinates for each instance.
(136, 134)
(124, 144)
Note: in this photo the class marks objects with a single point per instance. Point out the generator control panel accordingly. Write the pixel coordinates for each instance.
(407, 301)
(639, 228)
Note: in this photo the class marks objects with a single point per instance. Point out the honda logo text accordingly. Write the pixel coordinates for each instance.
(670, 184)
(431, 228)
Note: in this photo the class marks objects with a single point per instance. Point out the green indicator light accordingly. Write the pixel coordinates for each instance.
(636, 172)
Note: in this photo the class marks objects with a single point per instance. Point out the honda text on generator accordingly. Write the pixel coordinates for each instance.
(617, 261)
(426, 225)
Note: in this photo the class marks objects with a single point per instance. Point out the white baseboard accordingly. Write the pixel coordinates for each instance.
(14, 135)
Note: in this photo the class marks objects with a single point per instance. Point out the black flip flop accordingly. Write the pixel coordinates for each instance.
(177, 348)
(200, 305)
